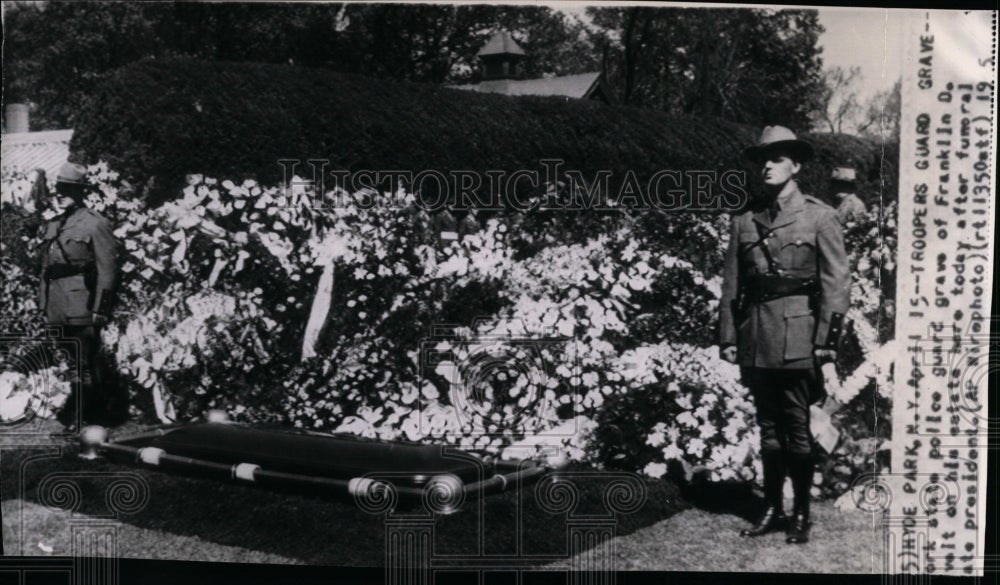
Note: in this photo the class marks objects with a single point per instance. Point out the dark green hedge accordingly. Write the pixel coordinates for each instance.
(165, 118)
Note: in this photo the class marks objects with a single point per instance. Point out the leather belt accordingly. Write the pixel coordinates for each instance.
(57, 271)
(765, 287)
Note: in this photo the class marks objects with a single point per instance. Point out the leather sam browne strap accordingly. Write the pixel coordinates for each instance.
(59, 231)
(772, 266)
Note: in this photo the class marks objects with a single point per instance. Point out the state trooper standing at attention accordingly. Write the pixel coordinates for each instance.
(785, 290)
(79, 276)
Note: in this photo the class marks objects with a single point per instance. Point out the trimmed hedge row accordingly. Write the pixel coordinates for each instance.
(166, 118)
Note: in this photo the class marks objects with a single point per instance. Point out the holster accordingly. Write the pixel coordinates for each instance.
(739, 308)
(106, 303)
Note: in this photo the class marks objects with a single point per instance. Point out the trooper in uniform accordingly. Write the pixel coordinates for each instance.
(79, 275)
(784, 294)
(843, 183)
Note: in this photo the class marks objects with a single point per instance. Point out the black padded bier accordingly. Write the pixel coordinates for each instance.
(314, 454)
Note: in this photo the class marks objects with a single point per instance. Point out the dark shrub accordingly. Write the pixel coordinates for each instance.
(166, 118)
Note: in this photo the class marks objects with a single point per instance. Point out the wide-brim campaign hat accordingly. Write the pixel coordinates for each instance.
(779, 138)
(72, 174)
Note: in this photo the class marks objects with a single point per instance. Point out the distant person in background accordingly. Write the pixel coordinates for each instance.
(445, 227)
(40, 191)
(79, 276)
(843, 183)
(469, 224)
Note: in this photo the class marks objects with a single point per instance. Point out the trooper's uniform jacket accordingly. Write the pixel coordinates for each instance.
(786, 285)
(850, 208)
(79, 267)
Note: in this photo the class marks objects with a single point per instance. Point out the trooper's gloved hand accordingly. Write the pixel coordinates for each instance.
(728, 354)
(824, 356)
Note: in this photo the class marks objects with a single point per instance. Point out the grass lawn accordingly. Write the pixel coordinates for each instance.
(197, 519)
(698, 540)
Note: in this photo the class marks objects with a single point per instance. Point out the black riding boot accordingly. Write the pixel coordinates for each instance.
(774, 478)
(801, 471)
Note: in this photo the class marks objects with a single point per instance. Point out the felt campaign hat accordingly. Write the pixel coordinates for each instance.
(779, 138)
(72, 174)
(71, 181)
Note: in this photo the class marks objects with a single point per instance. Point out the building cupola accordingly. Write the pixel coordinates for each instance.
(501, 57)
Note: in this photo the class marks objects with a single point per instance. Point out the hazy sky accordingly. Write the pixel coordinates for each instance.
(867, 37)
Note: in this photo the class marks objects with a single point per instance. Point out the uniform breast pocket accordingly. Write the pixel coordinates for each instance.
(74, 296)
(798, 251)
(76, 248)
(799, 328)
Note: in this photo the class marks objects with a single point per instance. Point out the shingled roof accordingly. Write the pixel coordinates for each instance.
(27, 151)
(501, 44)
(580, 86)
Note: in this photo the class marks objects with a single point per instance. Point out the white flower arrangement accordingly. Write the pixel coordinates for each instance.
(191, 308)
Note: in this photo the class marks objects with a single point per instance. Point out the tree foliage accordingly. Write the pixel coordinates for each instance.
(752, 66)
(438, 43)
(55, 53)
(838, 103)
(882, 114)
